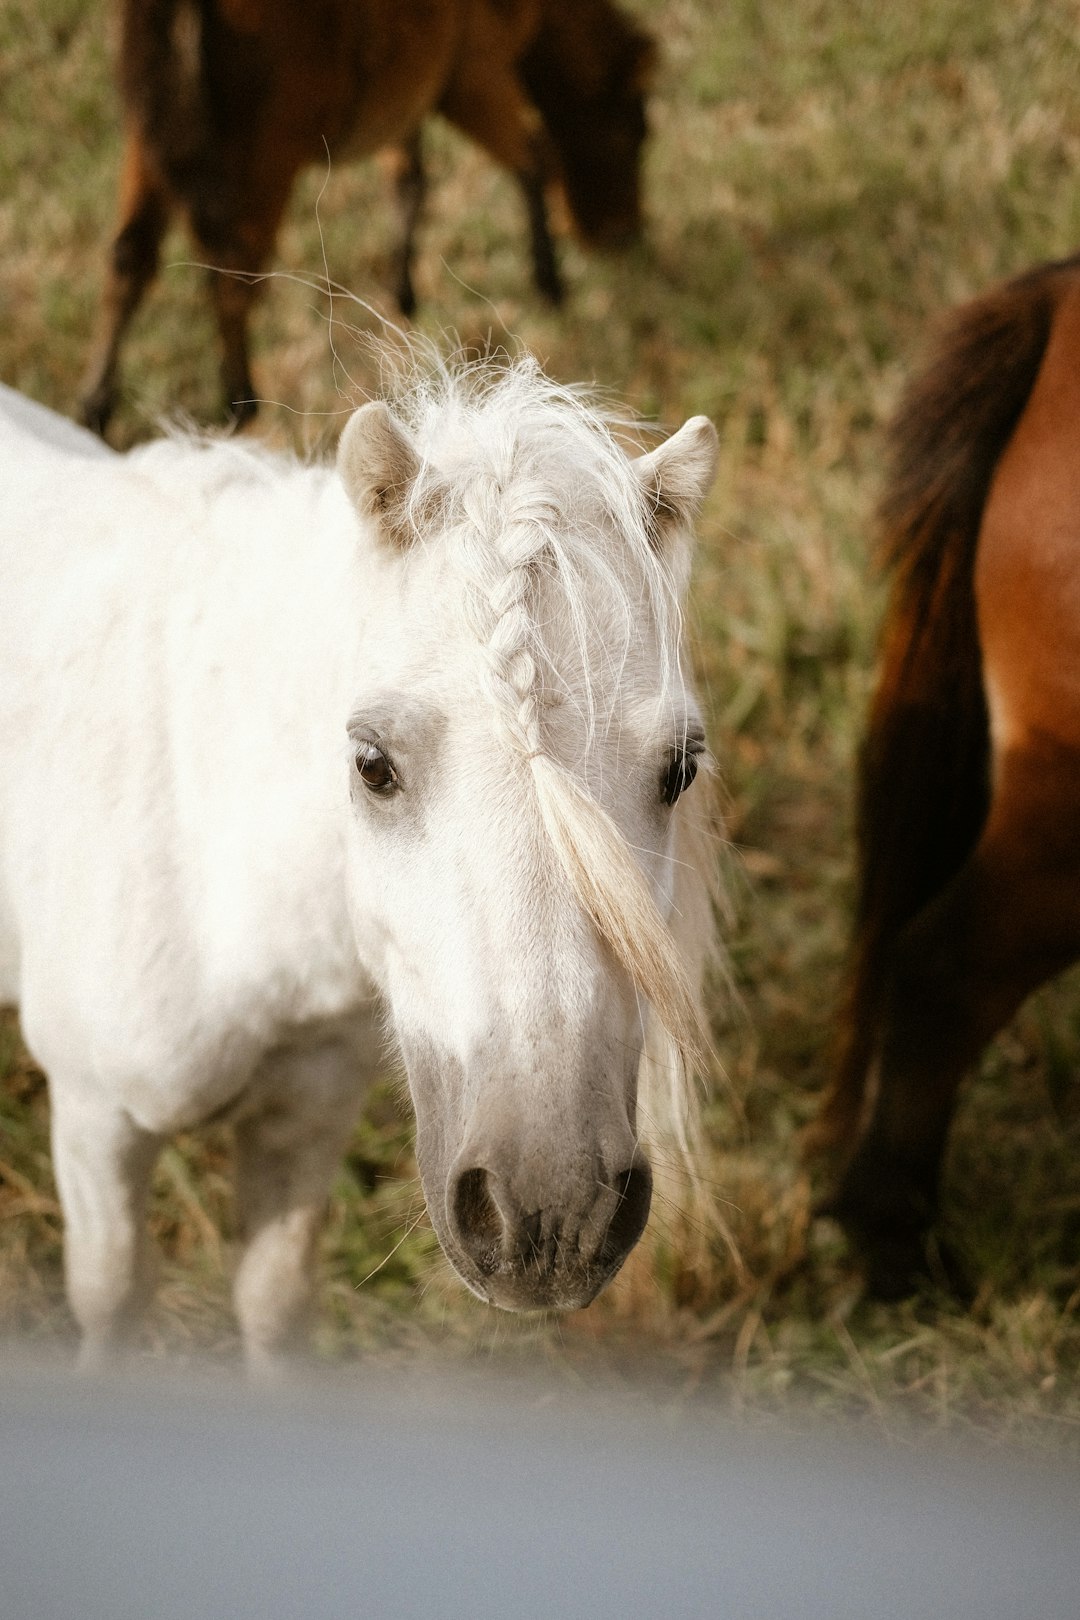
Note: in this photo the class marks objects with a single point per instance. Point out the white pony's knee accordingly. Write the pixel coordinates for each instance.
(273, 1289)
(109, 1285)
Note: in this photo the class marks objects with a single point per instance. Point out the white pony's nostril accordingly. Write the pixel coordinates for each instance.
(617, 1217)
(498, 1238)
(634, 1189)
(476, 1220)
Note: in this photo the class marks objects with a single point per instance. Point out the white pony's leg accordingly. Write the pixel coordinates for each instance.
(103, 1164)
(286, 1155)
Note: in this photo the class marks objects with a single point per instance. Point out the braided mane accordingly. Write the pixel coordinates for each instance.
(545, 519)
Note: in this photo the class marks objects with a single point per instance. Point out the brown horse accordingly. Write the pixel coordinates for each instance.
(969, 791)
(227, 100)
(587, 71)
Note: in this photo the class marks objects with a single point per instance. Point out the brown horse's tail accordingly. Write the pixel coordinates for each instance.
(923, 788)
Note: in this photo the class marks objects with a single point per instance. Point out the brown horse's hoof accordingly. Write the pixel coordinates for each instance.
(240, 411)
(549, 284)
(95, 410)
(888, 1223)
(899, 1268)
(406, 296)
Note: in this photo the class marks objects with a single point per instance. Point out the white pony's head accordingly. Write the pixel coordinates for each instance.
(520, 741)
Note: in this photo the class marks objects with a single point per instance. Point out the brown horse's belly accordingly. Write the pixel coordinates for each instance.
(1027, 568)
(362, 76)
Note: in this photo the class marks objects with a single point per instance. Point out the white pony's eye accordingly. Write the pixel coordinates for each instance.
(374, 769)
(681, 770)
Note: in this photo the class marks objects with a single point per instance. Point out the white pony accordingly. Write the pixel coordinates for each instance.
(289, 753)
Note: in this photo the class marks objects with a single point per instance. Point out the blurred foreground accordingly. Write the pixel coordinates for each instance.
(406, 1495)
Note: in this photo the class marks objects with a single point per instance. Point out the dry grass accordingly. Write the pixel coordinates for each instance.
(825, 176)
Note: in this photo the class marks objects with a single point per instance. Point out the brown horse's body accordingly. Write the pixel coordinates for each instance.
(227, 100)
(969, 804)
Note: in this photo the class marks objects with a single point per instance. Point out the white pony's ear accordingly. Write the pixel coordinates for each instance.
(677, 476)
(377, 464)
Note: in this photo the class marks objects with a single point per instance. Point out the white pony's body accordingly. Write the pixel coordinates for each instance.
(172, 811)
(195, 919)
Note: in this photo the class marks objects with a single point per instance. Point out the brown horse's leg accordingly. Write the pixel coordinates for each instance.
(133, 264)
(237, 242)
(232, 292)
(545, 265)
(496, 115)
(1006, 923)
(410, 188)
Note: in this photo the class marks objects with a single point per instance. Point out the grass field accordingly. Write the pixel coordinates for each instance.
(824, 177)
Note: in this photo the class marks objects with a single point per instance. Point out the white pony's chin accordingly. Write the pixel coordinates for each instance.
(520, 1294)
(531, 1307)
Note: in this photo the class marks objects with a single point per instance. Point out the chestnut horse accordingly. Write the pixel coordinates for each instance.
(227, 100)
(969, 789)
